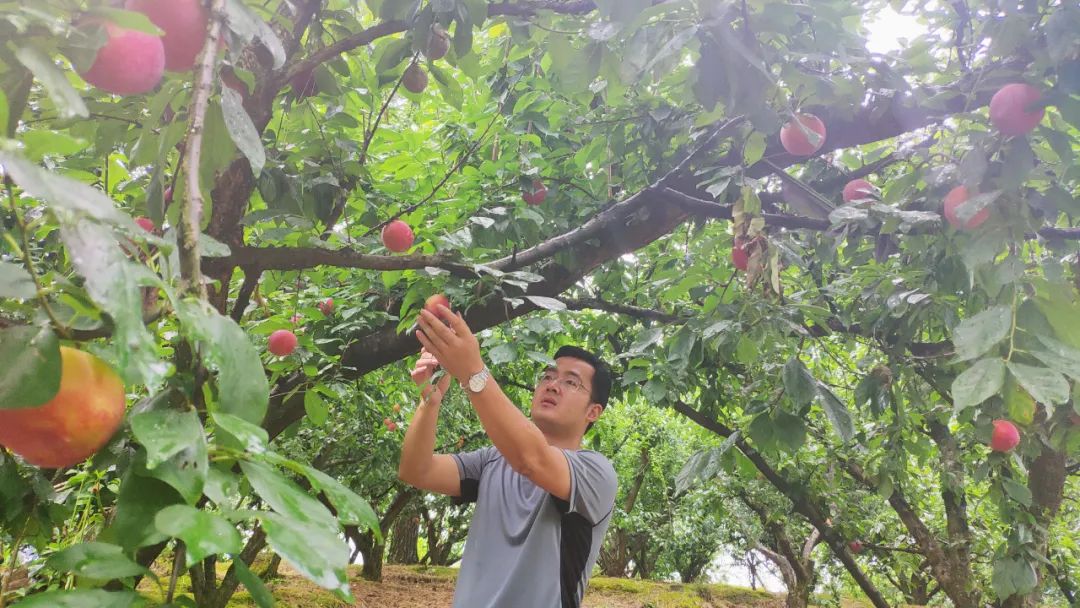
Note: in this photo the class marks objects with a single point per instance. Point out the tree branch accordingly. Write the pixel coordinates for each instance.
(257, 259)
(191, 211)
(622, 309)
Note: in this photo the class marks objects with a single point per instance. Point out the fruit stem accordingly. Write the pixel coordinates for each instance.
(29, 260)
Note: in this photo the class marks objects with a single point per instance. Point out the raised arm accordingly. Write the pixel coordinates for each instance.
(420, 466)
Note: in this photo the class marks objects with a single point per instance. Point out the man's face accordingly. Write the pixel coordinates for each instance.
(562, 401)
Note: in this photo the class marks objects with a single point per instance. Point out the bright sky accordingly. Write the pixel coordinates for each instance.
(888, 28)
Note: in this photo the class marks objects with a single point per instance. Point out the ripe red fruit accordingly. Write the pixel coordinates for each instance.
(75, 423)
(129, 63)
(1005, 436)
(145, 223)
(536, 194)
(389, 424)
(858, 189)
(326, 307)
(282, 342)
(432, 303)
(438, 43)
(184, 23)
(397, 236)
(304, 85)
(856, 547)
(740, 258)
(798, 142)
(956, 197)
(415, 79)
(1009, 111)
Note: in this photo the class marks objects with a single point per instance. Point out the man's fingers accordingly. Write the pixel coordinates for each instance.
(457, 322)
(436, 333)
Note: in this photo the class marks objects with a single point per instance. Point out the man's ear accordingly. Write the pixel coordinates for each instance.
(595, 409)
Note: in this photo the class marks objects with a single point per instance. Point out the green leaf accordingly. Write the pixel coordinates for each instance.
(67, 100)
(547, 303)
(139, 502)
(286, 497)
(255, 586)
(798, 383)
(974, 336)
(503, 353)
(1017, 491)
(29, 366)
(352, 510)
(451, 90)
(754, 148)
(243, 387)
(1045, 385)
(81, 598)
(247, 25)
(646, 339)
(315, 408)
(703, 465)
(245, 435)
(789, 430)
(165, 432)
(203, 533)
(1060, 357)
(313, 550)
(99, 561)
(837, 412)
(65, 194)
(186, 471)
(978, 383)
(390, 54)
(242, 130)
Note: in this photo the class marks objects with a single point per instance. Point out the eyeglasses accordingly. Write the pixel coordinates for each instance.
(566, 382)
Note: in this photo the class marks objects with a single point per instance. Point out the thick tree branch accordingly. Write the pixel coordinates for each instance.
(256, 259)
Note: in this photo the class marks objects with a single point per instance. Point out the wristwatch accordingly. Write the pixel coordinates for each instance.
(479, 380)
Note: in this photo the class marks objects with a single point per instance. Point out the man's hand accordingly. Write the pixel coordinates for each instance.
(455, 347)
(421, 374)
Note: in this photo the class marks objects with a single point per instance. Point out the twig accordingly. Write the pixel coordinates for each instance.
(178, 560)
(378, 118)
(29, 260)
(191, 211)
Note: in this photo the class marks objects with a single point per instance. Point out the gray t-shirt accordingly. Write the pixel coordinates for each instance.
(527, 548)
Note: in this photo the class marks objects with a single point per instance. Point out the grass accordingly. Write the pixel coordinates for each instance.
(293, 591)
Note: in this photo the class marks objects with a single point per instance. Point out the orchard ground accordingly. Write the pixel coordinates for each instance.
(433, 587)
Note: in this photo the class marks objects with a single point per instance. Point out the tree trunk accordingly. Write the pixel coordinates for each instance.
(403, 537)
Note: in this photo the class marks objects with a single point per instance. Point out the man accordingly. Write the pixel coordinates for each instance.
(542, 503)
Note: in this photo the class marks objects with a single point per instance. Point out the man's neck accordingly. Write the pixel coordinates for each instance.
(566, 443)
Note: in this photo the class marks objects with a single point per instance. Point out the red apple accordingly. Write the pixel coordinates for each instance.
(536, 194)
(282, 342)
(129, 63)
(184, 23)
(1005, 436)
(856, 547)
(438, 43)
(432, 303)
(326, 307)
(75, 423)
(397, 236)
(389, 424)
(1011, 111)
(857, 190)
(739, 256)
(145, 223)
(956, 197)
(796, 141)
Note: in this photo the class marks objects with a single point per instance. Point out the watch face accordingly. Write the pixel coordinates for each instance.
(476, 383)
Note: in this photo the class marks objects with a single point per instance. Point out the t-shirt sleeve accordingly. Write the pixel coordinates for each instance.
(593, 484)
(470, 466)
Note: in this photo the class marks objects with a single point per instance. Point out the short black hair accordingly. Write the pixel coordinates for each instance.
(601, 382)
